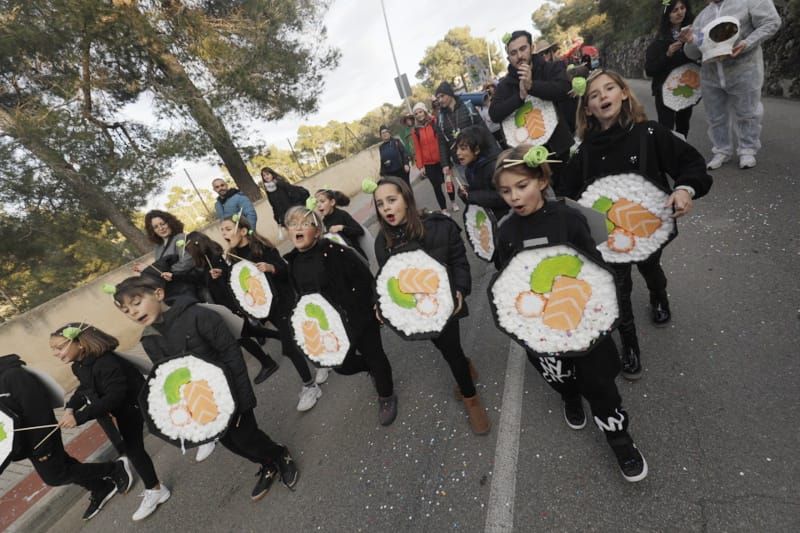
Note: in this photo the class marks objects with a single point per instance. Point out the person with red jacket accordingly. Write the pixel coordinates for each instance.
(426, 151)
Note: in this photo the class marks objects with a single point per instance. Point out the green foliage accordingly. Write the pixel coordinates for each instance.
(184, 204)
(448, 58)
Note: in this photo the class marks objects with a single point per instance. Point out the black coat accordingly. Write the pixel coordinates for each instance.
(189, 328)
(352, 230)
(550, 82)
(657, 65)
(449, 124)
(393, 157)
(29, 402)
(285, 196)
(620, 150)
(482, 191)
(442, 241)
(107, 384)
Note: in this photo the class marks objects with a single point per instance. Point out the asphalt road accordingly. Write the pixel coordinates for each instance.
(716, 413)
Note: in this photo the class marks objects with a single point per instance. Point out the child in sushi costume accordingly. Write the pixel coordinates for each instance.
(321, 266)
(402, 229)
(24, 395)
(337, 220)
(477, 154)
(618, 138)
(185, 327)
(590, 376)
(108, 385)
(247, 244)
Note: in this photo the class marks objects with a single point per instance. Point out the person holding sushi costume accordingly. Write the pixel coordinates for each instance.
(185, 327)
(247, 244)
(108, 385)
(590, 376)
(338, 220)
(24, 395)
(403, 229)
(618, 138)
(318, 265)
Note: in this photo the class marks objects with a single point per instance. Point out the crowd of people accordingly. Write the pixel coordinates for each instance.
(454, 143)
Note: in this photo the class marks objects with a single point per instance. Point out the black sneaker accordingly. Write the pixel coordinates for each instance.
(265, 372)
(631, 364)
(387, 410)
(288, 469)
(266, 476)
(631, 462)
(573, 413)
(122, 475)
(98, 499)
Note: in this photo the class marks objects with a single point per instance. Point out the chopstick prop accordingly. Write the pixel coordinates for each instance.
(46, 437)
(533, 158)
(36, 427)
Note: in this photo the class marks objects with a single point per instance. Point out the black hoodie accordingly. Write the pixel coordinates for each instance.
(283, 197)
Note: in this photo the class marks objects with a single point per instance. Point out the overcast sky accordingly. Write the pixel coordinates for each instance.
(365, 76)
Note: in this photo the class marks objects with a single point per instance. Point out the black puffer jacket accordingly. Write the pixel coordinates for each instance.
(107, 384)
(189, 328)
(482, 191)
(658, 65)
(285, 296)
(283, 197)
(449, 124)
(352, 230)
(442, 241)
(27, 400)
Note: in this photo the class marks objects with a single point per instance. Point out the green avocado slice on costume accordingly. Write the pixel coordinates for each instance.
(172, 385)
(548, 269)
(315, 311)
(519, 116)
(244, 279)
(480, 218)
(3, 434)
(403, 299)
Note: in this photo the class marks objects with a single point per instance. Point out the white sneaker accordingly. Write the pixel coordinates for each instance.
(747, 161)
(308, 397)
(322, 375)
(152, 499)
(717, 161)
(454, 207)
(204, 451)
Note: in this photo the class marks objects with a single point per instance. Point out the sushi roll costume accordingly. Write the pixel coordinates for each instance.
(186, 328)
(402, 230)
(343, 279)
(618, 139)
(535, 221)
(479, 156)
(24, 396)
(108, 385)
(337, 220)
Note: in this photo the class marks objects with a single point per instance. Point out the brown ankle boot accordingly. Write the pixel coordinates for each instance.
(478, 419)
(473, 374)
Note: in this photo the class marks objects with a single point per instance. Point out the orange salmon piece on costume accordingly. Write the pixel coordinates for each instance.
(313, 338)
(200, 401)
(534, 123)
(634, 218)
(691, 78)
(564, 309)
(418, 281)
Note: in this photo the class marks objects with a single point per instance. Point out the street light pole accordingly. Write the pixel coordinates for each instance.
(391, 45)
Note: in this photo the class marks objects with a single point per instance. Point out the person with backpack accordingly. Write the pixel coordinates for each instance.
(426, 151)
(394, 158)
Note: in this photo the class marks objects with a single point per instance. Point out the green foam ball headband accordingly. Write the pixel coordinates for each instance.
(579, 85)
(368, 186)
(311, 203)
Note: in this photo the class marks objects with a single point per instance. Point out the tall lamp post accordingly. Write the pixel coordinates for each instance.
(391, 45)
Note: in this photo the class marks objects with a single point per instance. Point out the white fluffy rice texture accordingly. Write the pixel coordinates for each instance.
(338, 239)
(473, 233)
(335, 329)
(636, 189)
(412, 321)
(676, 102)
(258, 311)
(7, 444)
(518, 135)
(159, 409)
(598, 316)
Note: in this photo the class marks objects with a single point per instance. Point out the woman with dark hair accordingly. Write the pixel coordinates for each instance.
(281, 194)
(165, 231)
(663, 55)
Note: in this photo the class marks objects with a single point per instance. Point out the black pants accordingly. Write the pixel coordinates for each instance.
(436, 177)
(368, 356)
(290, 349)
(677, 120)
(656, 281)
(130, 424)
(58, 468)
(591, 376)
(245, 439)
(449, 343)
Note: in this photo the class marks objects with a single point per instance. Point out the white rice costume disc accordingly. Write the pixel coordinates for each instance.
(638, 222)
(187, 401)
(681, 89)
(554, 300)
(481, 229)
(533, 123)
(6, 438)
(414, 295)
(251, 288)
(319, 331)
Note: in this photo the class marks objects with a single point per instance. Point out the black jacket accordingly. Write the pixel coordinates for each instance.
(647, 148)
(657, 65)
(442, 241)
(343, 278)
(284, 295)
(550, 82)
(28, 402)
(189, 328)
(352, 230)
(449, 124)
(285, 196)
(393, 157)
(106, 384)
(482, 191)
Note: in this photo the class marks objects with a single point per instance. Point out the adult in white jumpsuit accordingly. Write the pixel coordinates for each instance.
(733, 85)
